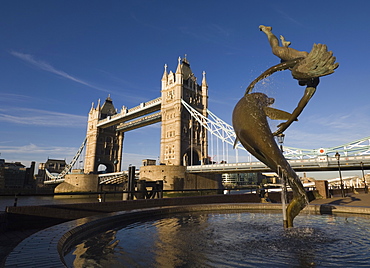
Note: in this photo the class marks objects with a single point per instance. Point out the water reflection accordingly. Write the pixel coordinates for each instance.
(229, 240)
(97, 251)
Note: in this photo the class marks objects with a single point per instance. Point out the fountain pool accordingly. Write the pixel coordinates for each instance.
(228, 239)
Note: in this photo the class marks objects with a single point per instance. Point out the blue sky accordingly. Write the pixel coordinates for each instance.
(57, 57)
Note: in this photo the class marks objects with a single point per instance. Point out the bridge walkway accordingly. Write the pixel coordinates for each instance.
(352, 200)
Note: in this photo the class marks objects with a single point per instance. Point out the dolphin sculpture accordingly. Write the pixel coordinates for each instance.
(251, 112)
(253, 131)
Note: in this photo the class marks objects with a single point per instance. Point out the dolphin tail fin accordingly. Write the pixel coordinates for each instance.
(276, 114)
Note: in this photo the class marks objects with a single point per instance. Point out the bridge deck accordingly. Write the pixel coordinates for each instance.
(313, 164)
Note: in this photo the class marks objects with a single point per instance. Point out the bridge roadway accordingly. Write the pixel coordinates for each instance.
(321, 163)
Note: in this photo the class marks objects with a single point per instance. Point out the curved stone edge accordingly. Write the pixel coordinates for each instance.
(335, 209)
(47, 247)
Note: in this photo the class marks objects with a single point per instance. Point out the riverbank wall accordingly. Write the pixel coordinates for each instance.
(27, 217)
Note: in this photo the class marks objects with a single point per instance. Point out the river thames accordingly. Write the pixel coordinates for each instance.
(7, 201)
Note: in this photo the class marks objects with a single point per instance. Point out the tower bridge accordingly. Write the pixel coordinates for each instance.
(186, 126)
(183, 141)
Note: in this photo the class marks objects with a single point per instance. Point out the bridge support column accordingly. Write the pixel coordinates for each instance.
(103, 146)
(176, 178)
(118, 161)
(183, 139)
(78, 183)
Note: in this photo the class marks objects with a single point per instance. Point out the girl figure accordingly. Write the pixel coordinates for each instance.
(284, 52)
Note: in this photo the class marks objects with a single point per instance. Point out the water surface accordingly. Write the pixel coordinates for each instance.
(217, 239)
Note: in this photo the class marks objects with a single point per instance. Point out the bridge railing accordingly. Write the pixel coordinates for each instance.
(313, 164)
(140, 122)
(145, 104)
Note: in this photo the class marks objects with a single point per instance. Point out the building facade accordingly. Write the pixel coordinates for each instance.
(15, 175)
(53, 166)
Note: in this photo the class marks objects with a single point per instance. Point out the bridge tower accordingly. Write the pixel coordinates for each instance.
(183, 139)
(103, 146)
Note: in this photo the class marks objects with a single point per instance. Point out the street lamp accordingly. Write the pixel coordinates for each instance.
(363, 177)
(337, 156)
(280, 140)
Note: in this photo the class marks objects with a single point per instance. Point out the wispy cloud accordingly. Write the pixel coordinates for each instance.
(32, 152)
(315, 131)
(10, 97)
(34, 149)
(25, 116)
(49, 68)
(288, 17)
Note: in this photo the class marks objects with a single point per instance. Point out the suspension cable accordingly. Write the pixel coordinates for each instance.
(69, 166)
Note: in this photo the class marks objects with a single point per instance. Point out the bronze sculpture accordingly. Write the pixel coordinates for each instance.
(250, 113)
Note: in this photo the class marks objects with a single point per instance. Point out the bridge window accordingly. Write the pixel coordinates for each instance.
(170, 95)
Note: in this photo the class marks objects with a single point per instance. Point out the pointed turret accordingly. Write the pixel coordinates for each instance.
(165, 74)
(179, 69)
(178, 74)
(204, 82)
(164, 77)
(205, 93)
(108, 108)
(92, 106)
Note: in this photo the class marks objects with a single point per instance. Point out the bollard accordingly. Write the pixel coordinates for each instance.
(131, 182)
(15, 200)
(159, 189)
(141, 189)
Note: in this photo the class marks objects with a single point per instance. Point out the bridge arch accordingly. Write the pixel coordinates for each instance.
(105, 168)
(191, 157)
